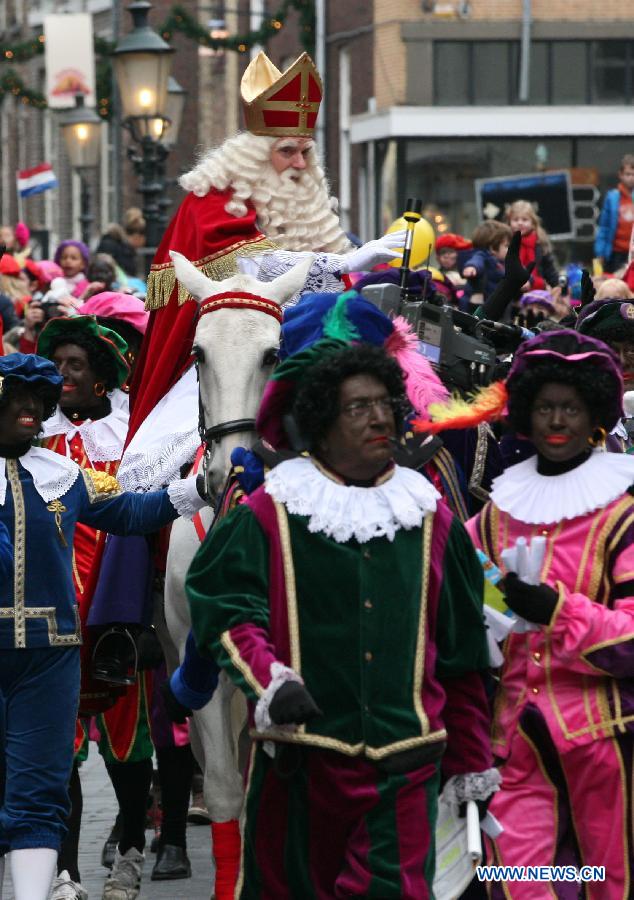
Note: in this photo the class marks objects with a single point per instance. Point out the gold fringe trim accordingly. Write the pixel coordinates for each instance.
(162, 278)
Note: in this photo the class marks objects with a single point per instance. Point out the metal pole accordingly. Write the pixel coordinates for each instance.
(149, 166)
(525, 52)
(320, 62)
(85, 214)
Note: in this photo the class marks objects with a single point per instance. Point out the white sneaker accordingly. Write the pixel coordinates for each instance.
(64, 888)
(124, 882)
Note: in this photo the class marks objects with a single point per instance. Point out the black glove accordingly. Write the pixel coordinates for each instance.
(149, 650)
(533, 602)
(175, 710)
(587, 288)
(510, 287)
(292, 704)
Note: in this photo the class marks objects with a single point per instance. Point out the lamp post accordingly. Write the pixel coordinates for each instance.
(81, 128)
(174, 113)
(142, 63)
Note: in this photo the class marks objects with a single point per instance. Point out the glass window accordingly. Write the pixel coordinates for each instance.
(538, 91)
(491, 73)
(569, 72)
(451, 73)
(610, 73)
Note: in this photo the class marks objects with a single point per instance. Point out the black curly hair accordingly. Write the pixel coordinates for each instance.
(598, 388)
(48, 393)
(316, 404)
(100, 359)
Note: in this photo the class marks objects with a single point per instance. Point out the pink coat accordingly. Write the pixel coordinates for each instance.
(579, 670)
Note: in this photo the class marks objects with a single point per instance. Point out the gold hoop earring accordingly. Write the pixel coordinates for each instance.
(597, 438)
(99, 389)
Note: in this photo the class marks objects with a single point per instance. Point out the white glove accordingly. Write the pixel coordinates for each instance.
(375, 252)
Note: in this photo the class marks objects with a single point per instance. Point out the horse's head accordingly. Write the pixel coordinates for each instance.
(235, 344)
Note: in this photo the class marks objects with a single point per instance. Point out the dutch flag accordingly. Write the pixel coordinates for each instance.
(34, 181)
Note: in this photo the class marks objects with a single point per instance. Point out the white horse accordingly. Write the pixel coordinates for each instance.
(235, 346)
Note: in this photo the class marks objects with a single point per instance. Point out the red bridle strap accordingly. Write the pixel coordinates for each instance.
(240, 300)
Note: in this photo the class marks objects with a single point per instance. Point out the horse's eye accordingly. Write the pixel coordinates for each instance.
(270, 357)
(198, 353)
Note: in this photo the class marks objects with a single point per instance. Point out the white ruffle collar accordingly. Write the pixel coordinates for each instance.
(344, 511)
(52, 474)
(103, 439)
(543, 499)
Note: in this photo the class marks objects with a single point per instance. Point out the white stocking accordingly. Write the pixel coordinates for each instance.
(2, 859)
(32, 871)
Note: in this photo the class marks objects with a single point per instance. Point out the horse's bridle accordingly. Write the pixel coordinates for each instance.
(215, 433)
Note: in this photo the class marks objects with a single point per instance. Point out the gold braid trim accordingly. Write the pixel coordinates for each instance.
(162, 278)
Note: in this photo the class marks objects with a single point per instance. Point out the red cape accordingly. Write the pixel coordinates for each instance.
(211, 238)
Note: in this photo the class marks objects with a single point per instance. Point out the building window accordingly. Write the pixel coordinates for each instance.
(451, 73)
(562, 73)
(611, 67)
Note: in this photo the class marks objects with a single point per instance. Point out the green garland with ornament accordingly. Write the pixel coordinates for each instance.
(178, 21)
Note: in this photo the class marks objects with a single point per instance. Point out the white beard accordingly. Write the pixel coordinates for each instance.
(293, 209)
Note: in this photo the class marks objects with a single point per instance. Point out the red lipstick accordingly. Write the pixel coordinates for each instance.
(557, 439)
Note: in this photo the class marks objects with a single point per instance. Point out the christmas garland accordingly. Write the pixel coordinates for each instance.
(11, 83)
(180, 20)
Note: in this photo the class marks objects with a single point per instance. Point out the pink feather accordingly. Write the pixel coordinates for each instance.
(422, 384)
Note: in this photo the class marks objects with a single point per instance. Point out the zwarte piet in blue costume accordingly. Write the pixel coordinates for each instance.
(42, 497)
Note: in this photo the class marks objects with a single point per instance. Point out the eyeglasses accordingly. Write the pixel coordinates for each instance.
(361, 409)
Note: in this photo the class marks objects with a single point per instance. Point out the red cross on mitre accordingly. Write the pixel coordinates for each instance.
(288, 105)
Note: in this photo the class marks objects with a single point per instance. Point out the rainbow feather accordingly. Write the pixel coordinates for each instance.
(337, 324)
(484, 405)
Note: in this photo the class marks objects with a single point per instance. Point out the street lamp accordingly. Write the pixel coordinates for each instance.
(81, 128)
(173, 113)
(142, 62)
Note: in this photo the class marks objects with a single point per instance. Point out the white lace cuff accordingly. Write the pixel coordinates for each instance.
(323, 275)
(280, 674)
(471, 786)
(185, 497)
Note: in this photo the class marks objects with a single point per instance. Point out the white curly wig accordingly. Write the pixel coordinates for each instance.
(293, 209)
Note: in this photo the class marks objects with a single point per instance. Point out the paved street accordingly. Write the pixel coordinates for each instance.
(99, 814)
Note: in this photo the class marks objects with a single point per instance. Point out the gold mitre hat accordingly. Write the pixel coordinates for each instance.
(281, 104)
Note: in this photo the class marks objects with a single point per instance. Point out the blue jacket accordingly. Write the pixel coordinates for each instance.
(37, 605)
(608, 223)
(490, 272)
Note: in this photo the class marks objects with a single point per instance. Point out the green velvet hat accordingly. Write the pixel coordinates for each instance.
(67, 328)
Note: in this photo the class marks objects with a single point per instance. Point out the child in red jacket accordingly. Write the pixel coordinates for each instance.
(535, 246)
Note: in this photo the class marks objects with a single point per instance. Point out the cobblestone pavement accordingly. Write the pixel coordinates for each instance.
(100, 809)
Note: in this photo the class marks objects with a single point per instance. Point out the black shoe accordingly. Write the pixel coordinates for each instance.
(171, 863)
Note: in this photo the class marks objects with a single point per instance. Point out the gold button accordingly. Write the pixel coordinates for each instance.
(367, 604)
(536, 690)
(368, 656)
(537, 656)
(367, 554)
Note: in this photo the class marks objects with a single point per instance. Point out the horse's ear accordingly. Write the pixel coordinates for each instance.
(198, 285)
(284, 286)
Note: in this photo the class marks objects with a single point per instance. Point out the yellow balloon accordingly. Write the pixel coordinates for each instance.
(423, 243)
